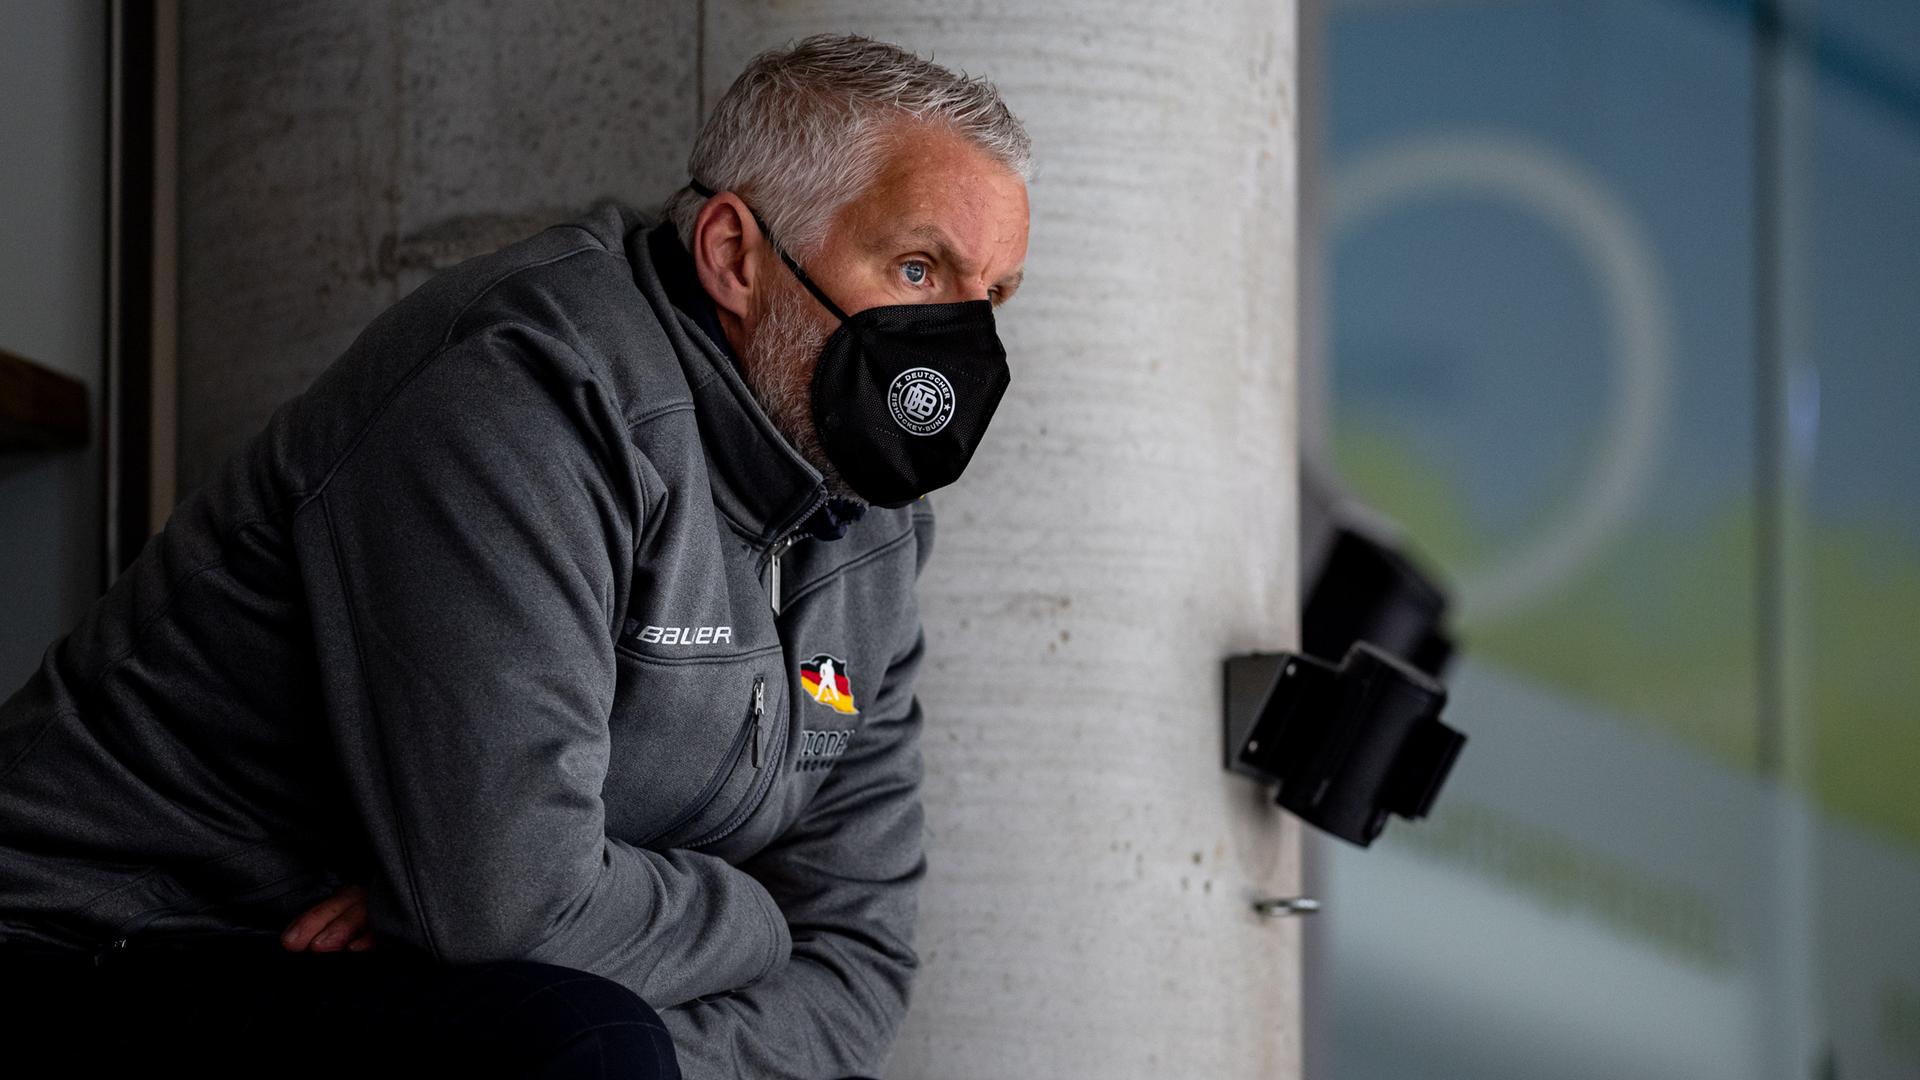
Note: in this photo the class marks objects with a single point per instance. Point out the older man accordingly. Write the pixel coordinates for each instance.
(553, 652)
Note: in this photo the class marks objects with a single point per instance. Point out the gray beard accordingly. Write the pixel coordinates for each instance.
(779, 360)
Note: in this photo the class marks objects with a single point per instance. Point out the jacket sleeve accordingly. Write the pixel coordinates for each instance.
(847, 877)
(461, 570)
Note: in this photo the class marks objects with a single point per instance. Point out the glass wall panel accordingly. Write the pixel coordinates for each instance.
(1623, 329)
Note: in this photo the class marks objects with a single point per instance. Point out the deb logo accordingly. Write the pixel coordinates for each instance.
(825, 680)
(921, 400)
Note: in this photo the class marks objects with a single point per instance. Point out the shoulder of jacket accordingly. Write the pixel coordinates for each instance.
(548, 281)
(566, 288)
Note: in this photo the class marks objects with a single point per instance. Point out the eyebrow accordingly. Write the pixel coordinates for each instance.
(936, 238)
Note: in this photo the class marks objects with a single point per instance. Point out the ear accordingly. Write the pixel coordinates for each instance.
(725, 242)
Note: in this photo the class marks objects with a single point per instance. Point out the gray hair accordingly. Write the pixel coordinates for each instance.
(803, 131)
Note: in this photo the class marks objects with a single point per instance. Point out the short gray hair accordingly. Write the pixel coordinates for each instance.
(803, 130)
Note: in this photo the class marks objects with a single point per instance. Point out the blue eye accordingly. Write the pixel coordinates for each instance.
(915, 271)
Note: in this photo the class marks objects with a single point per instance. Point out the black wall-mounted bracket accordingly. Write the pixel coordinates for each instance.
(1347, 745)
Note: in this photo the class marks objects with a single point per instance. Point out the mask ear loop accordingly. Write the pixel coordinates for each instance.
(708, 192)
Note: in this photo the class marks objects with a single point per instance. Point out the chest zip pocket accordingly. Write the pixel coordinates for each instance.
(762, 784)
(751, 734)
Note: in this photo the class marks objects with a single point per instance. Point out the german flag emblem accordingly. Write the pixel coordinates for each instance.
(825, 680)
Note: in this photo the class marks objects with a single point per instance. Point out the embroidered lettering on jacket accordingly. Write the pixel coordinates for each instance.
(818, 749)
(681, 635)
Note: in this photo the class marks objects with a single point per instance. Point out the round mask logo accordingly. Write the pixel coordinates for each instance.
(921, 400)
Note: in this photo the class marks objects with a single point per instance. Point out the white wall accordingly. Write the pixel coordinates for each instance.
(53, 83)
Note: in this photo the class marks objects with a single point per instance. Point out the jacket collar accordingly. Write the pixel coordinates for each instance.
(760, 482)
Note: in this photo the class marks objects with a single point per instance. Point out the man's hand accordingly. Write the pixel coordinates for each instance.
(339, 920)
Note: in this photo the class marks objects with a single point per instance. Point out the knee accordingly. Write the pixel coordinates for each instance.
(561, 1022)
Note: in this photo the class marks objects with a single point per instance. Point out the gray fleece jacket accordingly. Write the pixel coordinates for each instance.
(483, 619)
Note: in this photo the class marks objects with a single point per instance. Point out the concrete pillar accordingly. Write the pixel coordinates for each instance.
(1129, 522)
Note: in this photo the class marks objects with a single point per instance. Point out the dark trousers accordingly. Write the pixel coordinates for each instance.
(246, 1006)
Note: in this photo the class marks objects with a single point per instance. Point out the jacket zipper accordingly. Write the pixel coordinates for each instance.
(774, 554)
(747, 805)
(759, 712)
(764, 783)
(748, 730)
(780, 547)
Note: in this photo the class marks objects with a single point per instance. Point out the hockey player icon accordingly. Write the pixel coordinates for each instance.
(827, 690)
(825, 680)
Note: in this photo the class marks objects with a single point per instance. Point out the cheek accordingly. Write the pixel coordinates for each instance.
(789, 338)
(773, 304)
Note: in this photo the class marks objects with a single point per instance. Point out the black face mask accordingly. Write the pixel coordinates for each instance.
(903, 392)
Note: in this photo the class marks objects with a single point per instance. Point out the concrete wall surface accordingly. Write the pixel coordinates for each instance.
(334, 154)
(1128, 523)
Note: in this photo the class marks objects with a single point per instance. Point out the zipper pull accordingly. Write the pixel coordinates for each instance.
(759, 710)
(773, 579)
(773, 571)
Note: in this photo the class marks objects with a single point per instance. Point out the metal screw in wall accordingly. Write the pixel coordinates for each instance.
(1274, 907)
